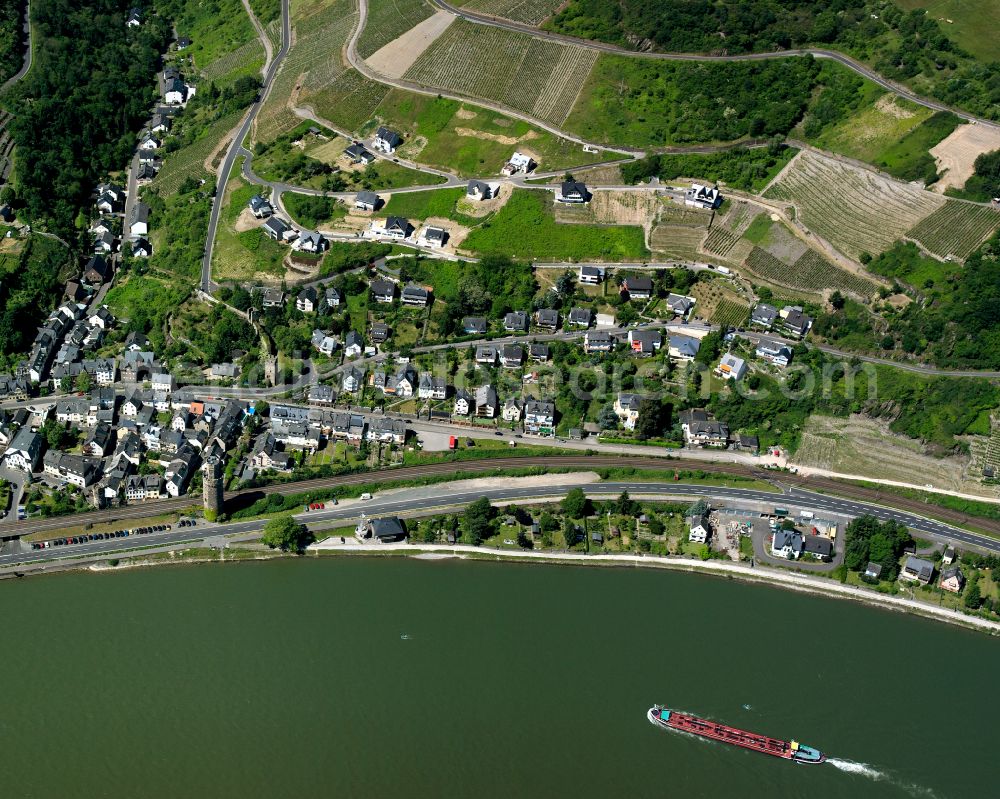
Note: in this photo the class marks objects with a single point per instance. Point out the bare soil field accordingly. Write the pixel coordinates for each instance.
(393, 59)
(956, 154)
(246, 221)
(866, 447)
(481, 208)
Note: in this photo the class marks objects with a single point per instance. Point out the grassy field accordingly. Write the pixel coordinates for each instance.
(874, 127)
(422, 205)
(972, 24)
(510, 73)
(469, 139)
(243, 255)
(526, 228)
(389, 19)
(189, 162)
(854, 209)
(216, 29)
(531, 12)
(908, 158)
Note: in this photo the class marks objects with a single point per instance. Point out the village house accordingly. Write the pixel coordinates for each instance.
(793, 322)
(386, 140)
(141, 248)
(310, 241)
(699, 529)
(138, 223)
(787, 544)
(952, 580)
(626, 408)
(24, 451)
(479, 190)
(683, 348)
(414, 295)
(260, 207)
(511, 411)
(679, 304)
(706, 197)
(275, 228)
(353, 344)
(572, 191)
(645, 342)
(487, 404)
(763, 315)
(334, 297)
(638, 287)
(597, 341)
(731, 367)
(273, 297)
(540, 353)
(515, 322)
(352, 381)
(379, 332)
(324, 343)
(917, 570)
(463, 403)
(387, 431)
(547, 319)
(96, 271)
(383, 291)
(432, 387)
(306, 301)
(580, 317)
(700, 430)
(357, 154)
(474, 325)
(320, 394)
(590, 275)
(434, 237)
(774, 352)
(367, 201)
(519, 162)
(512, 356)
(386, 530)
(486, 354)
(395, 227)
(540, 417)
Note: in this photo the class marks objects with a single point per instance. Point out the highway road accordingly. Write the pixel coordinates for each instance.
(856, 66)
(27, 52)
(433, 499)
(236, 147)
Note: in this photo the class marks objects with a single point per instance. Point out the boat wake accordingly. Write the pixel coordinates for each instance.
(405, 637)
(874, 774)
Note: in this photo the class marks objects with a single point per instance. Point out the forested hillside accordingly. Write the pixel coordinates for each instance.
(908, 46)
(77, 113)
(11, 50)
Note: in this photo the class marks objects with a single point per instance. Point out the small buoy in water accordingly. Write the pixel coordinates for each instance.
(747, 707)
(404, 637)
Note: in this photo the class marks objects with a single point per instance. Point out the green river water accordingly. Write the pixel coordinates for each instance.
(391, 677)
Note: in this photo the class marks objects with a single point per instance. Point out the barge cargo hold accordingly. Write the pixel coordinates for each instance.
(684, 722)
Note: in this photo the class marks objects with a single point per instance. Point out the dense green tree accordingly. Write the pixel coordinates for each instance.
(284, 533)
(477, 522)
(575, 504)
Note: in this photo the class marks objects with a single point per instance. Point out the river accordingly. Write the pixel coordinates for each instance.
(392, 677)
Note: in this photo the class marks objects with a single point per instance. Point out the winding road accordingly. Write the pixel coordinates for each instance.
(27, 53)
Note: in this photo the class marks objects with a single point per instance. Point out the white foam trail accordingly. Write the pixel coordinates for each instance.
(852, 767)
(865, 770)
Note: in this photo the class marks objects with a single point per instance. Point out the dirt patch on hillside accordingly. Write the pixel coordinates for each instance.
(246, 221)
(625, 207)
(887, 105)
(465, 113)
(397, 56)
(956, 154)
(481, 208)
(866, 447)
(479, 134)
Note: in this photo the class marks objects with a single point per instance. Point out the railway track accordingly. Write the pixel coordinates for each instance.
(574, 462)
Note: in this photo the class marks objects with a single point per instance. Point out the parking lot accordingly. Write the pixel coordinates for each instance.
(86, 538)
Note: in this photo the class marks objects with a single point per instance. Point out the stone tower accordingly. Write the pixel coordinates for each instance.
(212, 486)
(271, 370)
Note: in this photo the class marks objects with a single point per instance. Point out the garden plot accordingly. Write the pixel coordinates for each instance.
(955, 229)
(398, 55)
(531, 12)
(852, 208)
(388, 20)
(955, 155)
(531, 75)
(678, 241)
(716, 299)
(811, 273)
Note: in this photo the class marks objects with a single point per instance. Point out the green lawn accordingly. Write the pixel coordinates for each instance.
(216, 29)
(908, 158)
(972, 24)
(424, 204)
(468, 139)
(526, 228)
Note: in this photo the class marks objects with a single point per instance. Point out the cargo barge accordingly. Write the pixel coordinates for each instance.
(684, 722)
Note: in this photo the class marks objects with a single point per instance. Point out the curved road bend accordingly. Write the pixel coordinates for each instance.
(236, 148)
(477, 18)
(27, 54)
(432, 499)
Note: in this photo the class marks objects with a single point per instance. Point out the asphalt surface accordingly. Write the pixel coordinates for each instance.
(443, 496)
(833, 55)
(236, 148)
(27, 53)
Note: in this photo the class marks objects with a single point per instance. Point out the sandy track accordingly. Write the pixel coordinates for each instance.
(397, 56)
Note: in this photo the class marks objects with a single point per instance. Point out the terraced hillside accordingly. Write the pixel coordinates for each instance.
(955, 229)
(388, 19)
(504, 66)
(531, 12)
(854, 209)
(312, 65)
